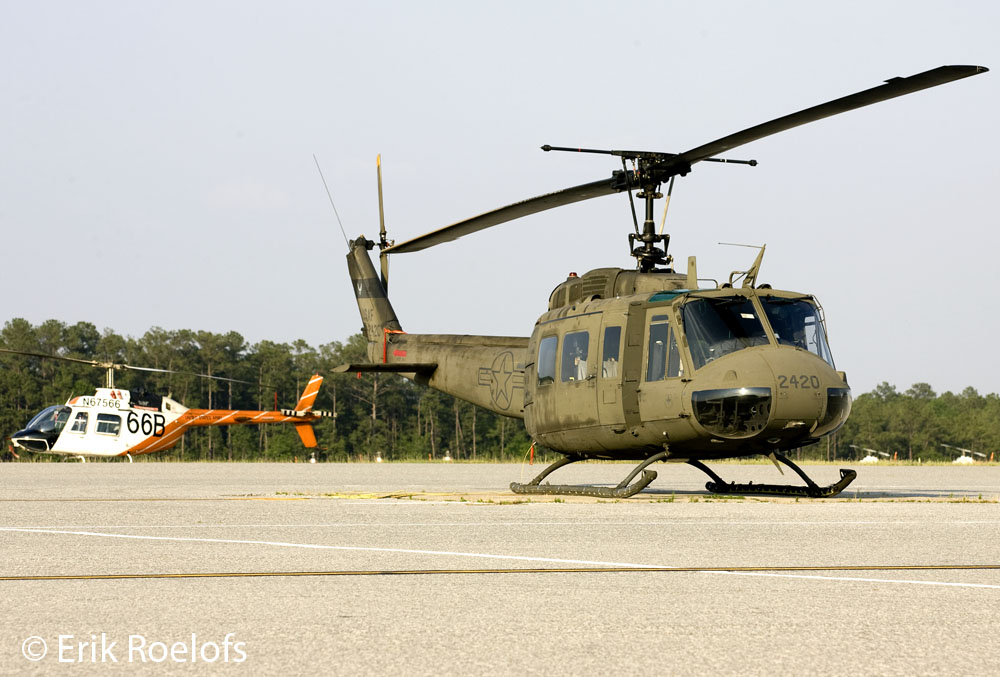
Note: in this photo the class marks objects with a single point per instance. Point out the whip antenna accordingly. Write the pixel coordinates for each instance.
(329, 195)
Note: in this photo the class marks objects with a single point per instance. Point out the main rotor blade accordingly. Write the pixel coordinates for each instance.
(891, 89)
(680, 164)
(509, 213)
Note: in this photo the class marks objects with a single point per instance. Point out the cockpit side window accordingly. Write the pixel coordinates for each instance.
(574, 358)
(656, 361)
(664, 357)
(718, 326)
(612, 351)
(797, 322)
(547, 359)
(675, 367)
(80, 422)
(50, 420)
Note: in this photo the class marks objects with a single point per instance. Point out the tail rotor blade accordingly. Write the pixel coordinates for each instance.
(382, 242)
(384, 263)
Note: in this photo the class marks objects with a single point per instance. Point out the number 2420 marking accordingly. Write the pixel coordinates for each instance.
(803, 381)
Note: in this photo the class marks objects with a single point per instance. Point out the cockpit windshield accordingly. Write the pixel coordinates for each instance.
(796, 322)
(50, 420)
(719, 326)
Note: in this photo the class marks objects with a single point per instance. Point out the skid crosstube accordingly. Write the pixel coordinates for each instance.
(623, 490)
(716, 486)
(846, 477)
(811, 490)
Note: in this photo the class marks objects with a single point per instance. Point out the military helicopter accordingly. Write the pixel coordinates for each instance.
(646, 364)
(116, 422)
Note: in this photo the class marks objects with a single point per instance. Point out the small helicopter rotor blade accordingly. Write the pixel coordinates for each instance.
(587, 191)
(891, 89)
(153, 369)
(93, 363)
(193, 373)
(118, 365)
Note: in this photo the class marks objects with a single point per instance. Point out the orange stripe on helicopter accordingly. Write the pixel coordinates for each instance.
(199, 418)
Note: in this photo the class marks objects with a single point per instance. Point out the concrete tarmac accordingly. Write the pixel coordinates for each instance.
(268, 568)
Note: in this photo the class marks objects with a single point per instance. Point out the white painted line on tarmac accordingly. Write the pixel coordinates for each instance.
(318, 546)
(527, 523)
(517, 558)
(856, 579)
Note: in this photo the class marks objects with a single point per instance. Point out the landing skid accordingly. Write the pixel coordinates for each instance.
(812, 490)
(623, 490)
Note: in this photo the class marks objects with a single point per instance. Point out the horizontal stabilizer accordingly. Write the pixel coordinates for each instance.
(423, 368)
(312, 413)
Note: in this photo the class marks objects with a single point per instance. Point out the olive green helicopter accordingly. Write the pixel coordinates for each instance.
(646, 364)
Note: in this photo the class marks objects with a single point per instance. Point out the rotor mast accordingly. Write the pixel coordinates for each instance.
(650, 170)
(648, 255)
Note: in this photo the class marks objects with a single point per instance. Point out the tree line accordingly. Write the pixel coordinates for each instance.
(915, 424)
(384, 414)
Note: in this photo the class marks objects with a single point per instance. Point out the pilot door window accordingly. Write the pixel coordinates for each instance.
(80, 423)
(109, 424)
(663, 356)
(611, 352)
(547, 359)
(716, 327)
(574, 357)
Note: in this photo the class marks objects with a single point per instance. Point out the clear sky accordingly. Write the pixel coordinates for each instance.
(156, 165)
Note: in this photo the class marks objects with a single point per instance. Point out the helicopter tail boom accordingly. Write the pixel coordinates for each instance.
(484, 370)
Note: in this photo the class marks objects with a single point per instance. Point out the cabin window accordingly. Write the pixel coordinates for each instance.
(612, 350)
(547, 359)
(80, 422)
(574, 360)
(109, 424)
(796, 322)
(719, 326)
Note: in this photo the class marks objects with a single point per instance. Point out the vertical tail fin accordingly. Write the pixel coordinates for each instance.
(376, 311)
(309, 394)
(305, 403)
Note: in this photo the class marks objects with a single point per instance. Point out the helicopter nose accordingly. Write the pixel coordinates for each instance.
(30, 440)
(789, 397)
(811, 399)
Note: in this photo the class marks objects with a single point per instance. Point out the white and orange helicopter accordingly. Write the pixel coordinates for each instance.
(115, 422)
